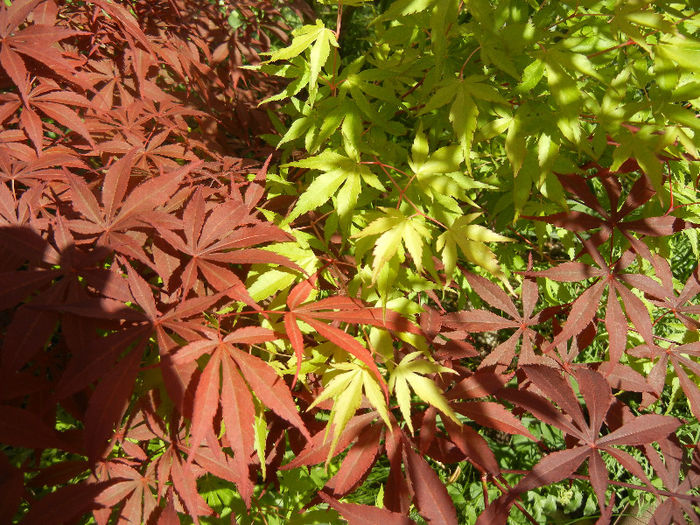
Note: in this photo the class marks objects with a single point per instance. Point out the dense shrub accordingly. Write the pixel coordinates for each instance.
(448, 264)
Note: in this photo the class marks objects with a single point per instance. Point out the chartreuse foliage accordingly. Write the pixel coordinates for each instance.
(466, 126)
(459, 285)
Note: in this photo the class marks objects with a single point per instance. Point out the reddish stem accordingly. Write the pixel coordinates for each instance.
(613, 48)
(461, 71)
(402, 191)
(517, 504)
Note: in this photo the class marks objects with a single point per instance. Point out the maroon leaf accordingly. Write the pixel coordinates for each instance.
(558, 389)
(66, 503)
(96, 360)
(476, 321)
(582, 313)
(21, 428)
(116, 182)
(598, 474)
(206, 402)
(492, 294)
(356, 514)
(432, 499)
(552, 468)
(317, 449)
(541, 408)
(357, 463)
(169, 515)
(493, 415)
(597, 397)
(185, 485)
(297, 341)
(108, 402)
(26, 336)
(616, 325)
(270, 388)
(239, 417)
(497, 512)
(483, 382)
(569, 272)
(12, 487)
(397, 495)
(473, 446)
(642, 429)
(16, 286)
(193, 351)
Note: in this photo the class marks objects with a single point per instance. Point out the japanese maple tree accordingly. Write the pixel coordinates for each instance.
(420, 261)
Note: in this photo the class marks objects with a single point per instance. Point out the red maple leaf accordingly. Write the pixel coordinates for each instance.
(585, 431)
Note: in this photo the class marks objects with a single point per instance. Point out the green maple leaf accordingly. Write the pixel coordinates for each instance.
(296, 70)
(337, 170)
(644, 145)
(411, 372)
(394, 228)
(568, 97)
(464, 110)
(403, 8)
(681, 49)
(471, 239)
(322, 39)
(432, 170)
(363, 85)
(347, 383)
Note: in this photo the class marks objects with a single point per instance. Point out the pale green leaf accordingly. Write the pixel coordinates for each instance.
(386, 246)
(335, 387)
(302, 39)
(318, 192)
(420, 148)
(317, 59)
(345, 406)
(463, 115)
(482, 91)
(414, 244)
(375, 396)
(393, 228)
(403, 8)
(493, 128)
(411, 371)
(532, 75)
(516, 148)
(684, 51)
(260, 435)
(347, 197)
(441, 97)
(337, 168)
(389, 220)
(298, 128)
(444, 160)
(428, 391)
(352, 133)
(470, 238)
(403, 397)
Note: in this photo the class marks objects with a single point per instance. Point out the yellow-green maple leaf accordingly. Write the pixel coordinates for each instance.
(394, 228)
(345, 388)
(322, 39)
(337, 170)
(470, 238)
(260, 434)
(411, 372)
(463, 112)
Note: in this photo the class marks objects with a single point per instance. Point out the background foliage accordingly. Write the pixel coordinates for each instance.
(412, 261)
